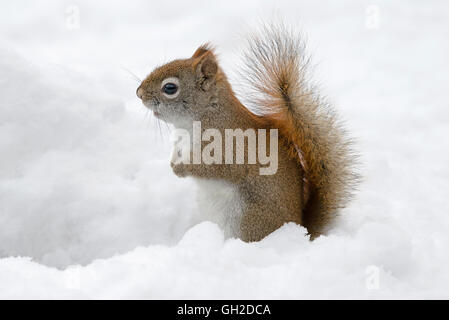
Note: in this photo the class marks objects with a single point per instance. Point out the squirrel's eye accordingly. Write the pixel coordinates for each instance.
(170, 88)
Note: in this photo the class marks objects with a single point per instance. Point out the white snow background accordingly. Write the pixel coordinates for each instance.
(89, 207)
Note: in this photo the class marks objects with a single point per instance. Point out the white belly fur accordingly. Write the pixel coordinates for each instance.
(219, 202)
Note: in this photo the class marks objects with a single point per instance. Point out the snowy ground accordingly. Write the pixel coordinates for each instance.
(89, 207)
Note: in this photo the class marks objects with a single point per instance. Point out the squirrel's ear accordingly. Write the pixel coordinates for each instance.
(201, 50)
(206, 69)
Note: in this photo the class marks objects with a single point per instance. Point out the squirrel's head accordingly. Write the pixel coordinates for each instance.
(183, 91)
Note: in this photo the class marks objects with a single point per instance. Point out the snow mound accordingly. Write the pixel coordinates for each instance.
(81, 176)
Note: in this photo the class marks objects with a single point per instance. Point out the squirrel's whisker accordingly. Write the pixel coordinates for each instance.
(132, 74)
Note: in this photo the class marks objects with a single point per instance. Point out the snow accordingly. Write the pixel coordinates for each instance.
(89, 207)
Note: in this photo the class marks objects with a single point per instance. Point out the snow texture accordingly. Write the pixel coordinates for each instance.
(89, 207)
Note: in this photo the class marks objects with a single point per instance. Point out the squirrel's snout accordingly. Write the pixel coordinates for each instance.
(140, 92)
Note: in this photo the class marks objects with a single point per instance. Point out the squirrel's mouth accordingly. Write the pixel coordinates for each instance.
(153, 106)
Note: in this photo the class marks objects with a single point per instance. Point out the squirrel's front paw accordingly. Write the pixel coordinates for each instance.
(179, 169)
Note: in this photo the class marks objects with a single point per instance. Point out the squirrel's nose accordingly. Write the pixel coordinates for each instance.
(140, 92)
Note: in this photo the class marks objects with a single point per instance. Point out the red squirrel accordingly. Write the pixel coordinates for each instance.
(314, 174)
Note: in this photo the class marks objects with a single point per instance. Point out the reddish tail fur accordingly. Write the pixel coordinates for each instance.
(276, 69)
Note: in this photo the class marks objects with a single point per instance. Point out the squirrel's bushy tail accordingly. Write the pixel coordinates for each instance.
(276, 69)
